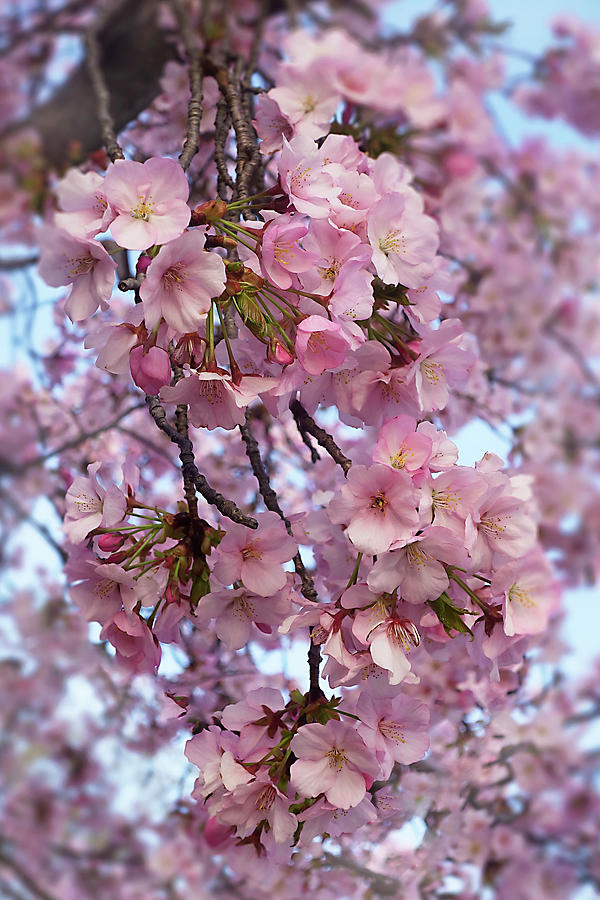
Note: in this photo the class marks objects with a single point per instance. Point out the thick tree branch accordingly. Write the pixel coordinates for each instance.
(101, 93)
(132, 54)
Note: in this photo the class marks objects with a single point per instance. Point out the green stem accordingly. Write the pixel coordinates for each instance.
(232, 363)
(354, 576)
(141, 546)
(480, 603)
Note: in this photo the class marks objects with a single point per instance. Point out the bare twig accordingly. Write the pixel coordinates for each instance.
(192, 143)
(272, 503)
(186, 454)
(307, 425)
(112, 146)
(24, 877)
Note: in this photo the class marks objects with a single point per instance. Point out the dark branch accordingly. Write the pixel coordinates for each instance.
(101, 93)
(190, 471)
(272, 503)
(192, 143)
(133, 52)
(307, 425)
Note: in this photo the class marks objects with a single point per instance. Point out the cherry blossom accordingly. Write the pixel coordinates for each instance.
(180, 283)
(334, 760)
(149, 200)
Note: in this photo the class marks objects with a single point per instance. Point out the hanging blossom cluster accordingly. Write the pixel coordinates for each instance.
(348, 266)
(334, 303)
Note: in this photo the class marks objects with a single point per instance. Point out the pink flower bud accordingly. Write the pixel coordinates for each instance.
(172, 593)
(151, 370)
(111, 542)
(143, 263)
(279, 354)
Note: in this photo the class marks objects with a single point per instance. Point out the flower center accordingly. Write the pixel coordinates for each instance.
(144, 208)
(433, 372)
(393, 242)
(399, 458)
(392, 731)
(379, 502)
(492, 525)
(83, 265)
(87, 504)
(266, 798)
(251, 552)
(337, 758)
(416, 555)
(404, 633)
(242, 608)
(173, 277)
(519, 595)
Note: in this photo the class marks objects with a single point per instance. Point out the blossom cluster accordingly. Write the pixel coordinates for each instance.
(399, 271)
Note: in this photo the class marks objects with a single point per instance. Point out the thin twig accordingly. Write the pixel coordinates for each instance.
(94, 67)
(192, 141)
(24, 877)
(307, 425)
(272, 503)
(27, 518)
(186, 454)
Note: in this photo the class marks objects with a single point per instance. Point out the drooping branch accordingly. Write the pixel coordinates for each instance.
(307, 425)
(190, 471)
(272, 503)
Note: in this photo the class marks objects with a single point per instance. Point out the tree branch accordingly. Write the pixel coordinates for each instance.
(186, 454)
(307, 425)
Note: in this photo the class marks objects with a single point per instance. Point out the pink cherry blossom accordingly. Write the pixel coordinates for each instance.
(529, 594)
(237, 610)
(255, 557)
(400, 446)
(90, 506)
(83, 263)
(334, 760)
(378, 504)
(271, 124)
(214, 400)
(149, 200)
(403, 238)
(309, 187)
(320, 345)
(281, 253)
(396, 728)
(258, 801)
(137, 650)
(85, 207)
(389, 634)
(416, 569)
(150, 369)
(181, 282)
(442, 362)
(306, 99)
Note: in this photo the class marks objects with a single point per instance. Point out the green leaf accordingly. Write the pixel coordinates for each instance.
(252, 315)
(450, 616)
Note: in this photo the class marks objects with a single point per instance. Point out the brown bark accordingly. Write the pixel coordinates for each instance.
(133, 52)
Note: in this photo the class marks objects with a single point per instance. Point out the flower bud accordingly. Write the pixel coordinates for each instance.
(151, 370)
(142, 264)
(279, 354)
(111, 542)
